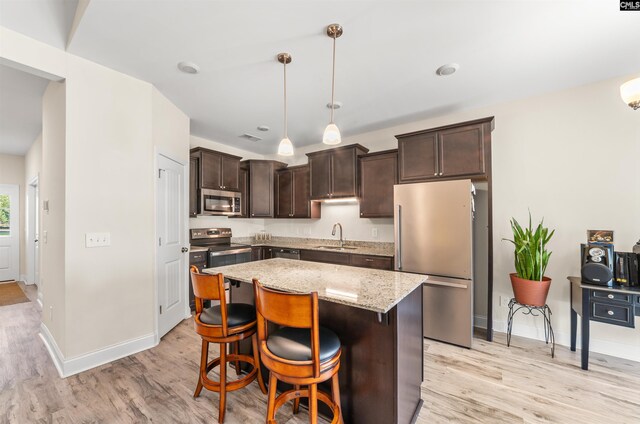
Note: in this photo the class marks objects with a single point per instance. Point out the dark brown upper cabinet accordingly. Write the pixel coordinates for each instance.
(218, 171)
(261, 197)
(292, 194)
(244, 192)
(378, 174)
(447, 152)
(194, 170)
(334, 172)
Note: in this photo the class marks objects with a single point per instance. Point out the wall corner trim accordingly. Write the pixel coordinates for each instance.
(77, 364)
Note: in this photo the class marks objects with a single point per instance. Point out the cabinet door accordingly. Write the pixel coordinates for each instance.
(210, 170)
(320, 168)
(230, 173)
(461, 151)
(378, 174)
(261, 189)
(284, 197)
(256, 253)
(343, 172)
(193, 186)
(417, 157)
(301, 203)
(267, 252)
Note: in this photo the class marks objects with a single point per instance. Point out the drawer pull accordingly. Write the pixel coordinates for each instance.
(369, 260)
(610, 296)
(610, 312)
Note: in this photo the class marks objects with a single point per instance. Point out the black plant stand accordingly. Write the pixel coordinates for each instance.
(535, 311)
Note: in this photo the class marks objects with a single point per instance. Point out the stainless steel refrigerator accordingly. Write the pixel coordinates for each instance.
(434, 236)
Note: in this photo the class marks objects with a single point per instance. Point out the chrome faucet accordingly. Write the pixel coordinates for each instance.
(333, 232)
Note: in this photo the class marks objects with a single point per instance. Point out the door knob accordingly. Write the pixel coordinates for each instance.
(185, 249)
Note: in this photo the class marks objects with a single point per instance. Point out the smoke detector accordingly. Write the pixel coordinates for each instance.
(188, 67)
(448, 69)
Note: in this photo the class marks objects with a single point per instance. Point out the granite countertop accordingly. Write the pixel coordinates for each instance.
(361, 247)
(370, 289)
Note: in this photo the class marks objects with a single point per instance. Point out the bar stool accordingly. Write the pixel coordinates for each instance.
(223, 324)
(300, 352)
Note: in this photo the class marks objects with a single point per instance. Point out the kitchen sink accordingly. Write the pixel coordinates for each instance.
(336, 247)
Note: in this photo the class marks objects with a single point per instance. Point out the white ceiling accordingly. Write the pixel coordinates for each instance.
(20, 110)
(386, 59)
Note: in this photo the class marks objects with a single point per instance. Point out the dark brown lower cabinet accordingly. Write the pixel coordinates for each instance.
(376, 262)
(198, 259)
(326, 257)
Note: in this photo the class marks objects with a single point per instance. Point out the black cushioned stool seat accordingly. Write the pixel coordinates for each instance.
(237, 314)
(295, 343)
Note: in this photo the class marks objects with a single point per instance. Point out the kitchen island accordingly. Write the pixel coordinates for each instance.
(377, 315)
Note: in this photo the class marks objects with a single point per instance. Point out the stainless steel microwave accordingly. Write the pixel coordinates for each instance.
(218, 202)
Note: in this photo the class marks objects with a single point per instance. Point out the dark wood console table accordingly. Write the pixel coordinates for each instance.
(617, 305)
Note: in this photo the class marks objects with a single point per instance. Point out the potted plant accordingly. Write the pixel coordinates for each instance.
(530, 286)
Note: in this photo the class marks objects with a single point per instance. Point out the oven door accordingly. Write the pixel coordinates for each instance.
(229, 257)
(218, 202)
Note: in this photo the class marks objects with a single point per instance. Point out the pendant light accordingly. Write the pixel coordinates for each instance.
(285, 148)
(630, 93)
(332, 133)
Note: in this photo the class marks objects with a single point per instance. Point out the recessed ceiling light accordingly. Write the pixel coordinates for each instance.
(336, 105)
(448, 69)
(263, 128)
(188, 67)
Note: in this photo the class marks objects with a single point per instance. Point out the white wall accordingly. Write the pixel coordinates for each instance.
(12, 172)
(109, 188)
(52, 189)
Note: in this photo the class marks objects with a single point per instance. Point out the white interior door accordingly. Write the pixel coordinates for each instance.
(171, 213)
(9, 237)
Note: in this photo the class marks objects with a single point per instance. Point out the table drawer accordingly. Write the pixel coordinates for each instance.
(619, 297)
(622, 315)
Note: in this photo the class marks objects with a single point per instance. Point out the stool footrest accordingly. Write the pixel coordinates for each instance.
(284, 397)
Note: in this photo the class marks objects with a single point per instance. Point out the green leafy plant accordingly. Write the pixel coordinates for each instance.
(531, 254)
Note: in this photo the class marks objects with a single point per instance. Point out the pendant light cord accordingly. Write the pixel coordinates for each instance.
(285, 98)
(333, 78)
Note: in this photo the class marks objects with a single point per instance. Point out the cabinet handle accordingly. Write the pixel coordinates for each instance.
(435, 174)
(440, 174)
(368, 259)
(610, 312)
(253, 214)
(610, 296)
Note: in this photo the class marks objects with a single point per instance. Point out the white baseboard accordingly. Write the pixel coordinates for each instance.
(77, 364)
(563, 338)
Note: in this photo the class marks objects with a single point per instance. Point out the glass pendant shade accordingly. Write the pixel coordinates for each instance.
(285, 148)
(630, 93)
(331, 135)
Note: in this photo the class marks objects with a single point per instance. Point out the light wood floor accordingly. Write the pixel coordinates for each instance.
(489, 384)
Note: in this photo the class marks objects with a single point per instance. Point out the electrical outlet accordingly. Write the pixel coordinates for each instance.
(374, 233)
(51, 313)
(44, 236)
(504, 301)
(97, 239)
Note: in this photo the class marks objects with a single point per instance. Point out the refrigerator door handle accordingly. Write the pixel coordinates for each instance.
(399, 240)
(445, 284)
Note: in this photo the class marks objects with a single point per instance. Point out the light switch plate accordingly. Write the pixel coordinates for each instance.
(374, 233)
(97, 239)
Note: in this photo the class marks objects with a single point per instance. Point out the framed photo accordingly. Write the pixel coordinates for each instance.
(600, 236)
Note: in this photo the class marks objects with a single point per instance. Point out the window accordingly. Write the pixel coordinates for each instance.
(5, 215)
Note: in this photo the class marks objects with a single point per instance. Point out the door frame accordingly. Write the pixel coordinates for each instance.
(159, 151)
(15, 218)
(33, 221)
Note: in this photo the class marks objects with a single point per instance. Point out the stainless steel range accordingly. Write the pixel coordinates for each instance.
(221, 251)
(216, 242)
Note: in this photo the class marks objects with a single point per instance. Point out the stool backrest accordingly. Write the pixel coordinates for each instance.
(209, 287)
(298, 310)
